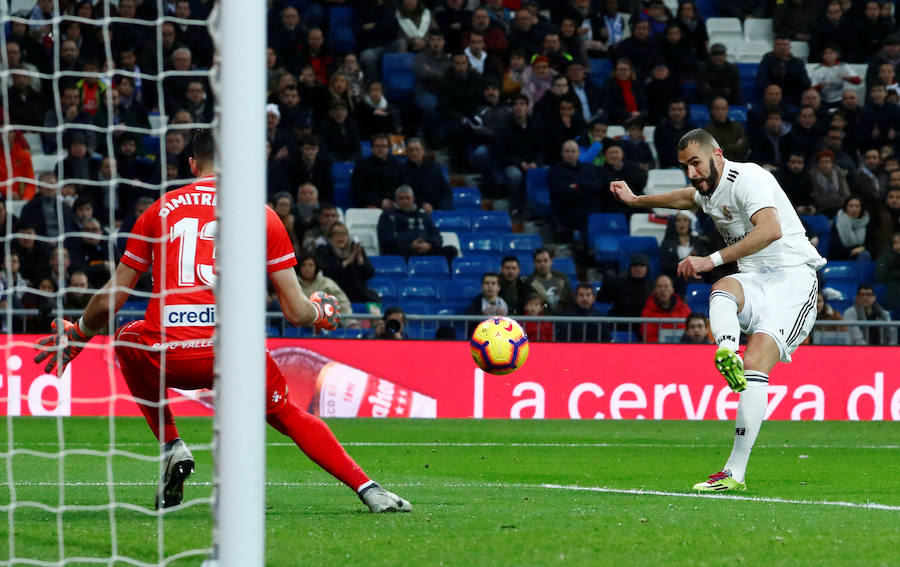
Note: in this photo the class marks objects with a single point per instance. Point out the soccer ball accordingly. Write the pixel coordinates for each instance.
(499, 345)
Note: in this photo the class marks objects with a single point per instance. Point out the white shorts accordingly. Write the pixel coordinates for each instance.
(780, 303)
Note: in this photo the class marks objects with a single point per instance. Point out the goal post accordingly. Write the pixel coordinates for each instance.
(240, 348)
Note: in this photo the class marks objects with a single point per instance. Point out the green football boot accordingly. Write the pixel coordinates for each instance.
(731, 367)
(722, 481)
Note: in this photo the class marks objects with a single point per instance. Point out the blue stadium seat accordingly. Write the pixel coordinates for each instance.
(697, 297)
(461, 289)
(341, 172)
(537, 191)
(526, 263)
(365, 147)
(845, 288)
(637, 245)
(496, 221)
(398, 75)
(707, 8)
(606, 246)
(421, 330)
(415, 306)
(867, 272)
(454, 306)
(699, 114)
(600, 70)
(390, 267)
(524, 243)
(607, 222)
(422, 289)
(340, 29)
(749, 89)
(452, 221)
(846, 272)
(821, 225)
(480, 243)
(566, 265)
(738, 114)
(466, 199)
(623, 337)
(297, 332)
(474, 266)
(429, 267)
(135, 305)
(881, 293)
(346, 333)
(603, 307)
(386, 288)
(273, 331)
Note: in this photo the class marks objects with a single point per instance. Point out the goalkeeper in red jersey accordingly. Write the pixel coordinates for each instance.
(175, 238)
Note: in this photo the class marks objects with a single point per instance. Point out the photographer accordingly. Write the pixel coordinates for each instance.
(344, 260)
(392, 324)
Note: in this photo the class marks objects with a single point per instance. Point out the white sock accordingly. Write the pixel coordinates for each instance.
(723, 319)
(364, 486)
(750, 414)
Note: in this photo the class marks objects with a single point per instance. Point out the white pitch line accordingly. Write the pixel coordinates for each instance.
(515, 486)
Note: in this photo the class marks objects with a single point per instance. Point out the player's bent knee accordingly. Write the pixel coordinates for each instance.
(762, 353)
(732, 286)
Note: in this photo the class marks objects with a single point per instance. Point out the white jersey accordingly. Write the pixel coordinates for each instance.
(744, 189)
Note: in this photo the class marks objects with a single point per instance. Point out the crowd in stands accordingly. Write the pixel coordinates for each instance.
(392, 106)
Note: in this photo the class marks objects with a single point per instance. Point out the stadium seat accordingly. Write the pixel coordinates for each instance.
(452, 221)
(605, 246)
(495, 221)
(630, 245)
(340, 29)
(847, 272)
(759, 29)
(799, 49)
(724, 28)
(603, 307)
(525, 243)
(480, 243)
(600, 71)
(451, 239)
(831, 336)
(526, 263)
(664, 180)
(707, 8)
(537, 191)
(386, 288)
(880, 293)
(738, 114)
(466, 198)
(670, 336)
(699, 114)
(44, 162)
(418, 307)
(845, 290)
(368, 238)
(390, 267)
(696, 295)
(341, 172)
(297, 332)
(356, 218)
(753, 51)
(469, 266)
(422, 289)
(398, 75)
(607, 222)
(821, 225)
(273, 331)
(566, 265)
(460, 289)
(429, 267)
(421, 330)
(747, 73)
(623, 337)
(645, 224)
(365, 146)
(615, 131)
(866, 272)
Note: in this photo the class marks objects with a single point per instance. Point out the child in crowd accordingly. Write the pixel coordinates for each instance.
(537, 330)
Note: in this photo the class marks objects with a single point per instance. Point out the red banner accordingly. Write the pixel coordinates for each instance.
(343, 378)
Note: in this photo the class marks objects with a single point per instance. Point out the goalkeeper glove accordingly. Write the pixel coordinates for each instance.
(328, 311)
(62, 346)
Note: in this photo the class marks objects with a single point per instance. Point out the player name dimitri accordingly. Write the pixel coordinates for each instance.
(208, 199)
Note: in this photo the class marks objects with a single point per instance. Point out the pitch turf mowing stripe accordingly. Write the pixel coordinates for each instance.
(207, 447)
(599, 489)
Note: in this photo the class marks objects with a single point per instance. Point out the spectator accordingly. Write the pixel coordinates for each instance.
(311, 278)
(488, 302)
(377, 32)
(829, 184)
(565, 124)
(337, 90)
(286, 36)
(315, 237)
(696, 330)
(871, 31)
(625, 95)
(797, 183)
(768, 145)
(426, 178)
(879, 120)
(314, 168)
(493, 28)
(78, 296)
(835, 28)
(375, 178)
(484, 127)
(392, 325)
(306, 209)
(282, 142)
(892, 200)
(871, 177)
(719, 78)
(576, 189)
(806, 133)
(131, 111)
(615, 167)
(833, 141)
(730, 134)
(681, 240)
(887, 74)
(585, 306)
(414, 20)
(639, 49)
(518, 149)
(547, 108)
(14, 61)
(850, 232)
(781, 68)
(552, 285)
(695, 29)
(772, 100)
(887, 272)
(356, 79)
(279, 174)
(889, 53)
(452, 21)
(460, 93)
(537, 79)
(831, 75)
(865, 308)
(480, 60)
(824, 312)
(283, 205)
(375, 113)
(26, 106)
(590, 98)
(637, 150)
(33, 254)
(20, 158)
(430, 66)
(44, 211)
(628, 292)
(12, 290)
(661, 89)
(663, 302)
(669, 132)
(591, 142)
(340, 134)
(515, 75)
(93, 255)
(513, 288)
(345, 261)
(678, 53)
(795, 19)
(608, 29)
(572, 43)
(523, 35)
(540, 331)
(407, 230)
(317, 54)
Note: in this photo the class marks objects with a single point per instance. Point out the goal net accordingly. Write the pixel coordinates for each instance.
(100, 102)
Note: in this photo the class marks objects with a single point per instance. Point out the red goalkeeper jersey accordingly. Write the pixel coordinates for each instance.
(176, 236)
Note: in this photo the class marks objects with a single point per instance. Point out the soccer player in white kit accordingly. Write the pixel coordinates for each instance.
(773, 297)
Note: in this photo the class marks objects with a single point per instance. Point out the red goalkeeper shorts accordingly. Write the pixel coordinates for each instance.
(188, 366)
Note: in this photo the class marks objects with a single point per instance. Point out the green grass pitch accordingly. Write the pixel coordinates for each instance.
(486, 493)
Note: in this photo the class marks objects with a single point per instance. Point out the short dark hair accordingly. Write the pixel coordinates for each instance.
(541, 250)
(490, 275)
(509, 258)
(694, 315)
(863, 286)
(307, 256)
(380, 136)
(774, 110)
(698, 136)
(585, 285)
(310, 140)
(392, 310)
(519, 97)
(326, 207)
(204, 145)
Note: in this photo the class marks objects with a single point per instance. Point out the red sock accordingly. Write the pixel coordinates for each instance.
(145, 386)
(317, 441)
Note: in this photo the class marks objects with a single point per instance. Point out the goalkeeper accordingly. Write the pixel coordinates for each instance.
(175, 238)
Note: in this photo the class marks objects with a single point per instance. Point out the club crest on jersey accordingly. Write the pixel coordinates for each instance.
(727, 213)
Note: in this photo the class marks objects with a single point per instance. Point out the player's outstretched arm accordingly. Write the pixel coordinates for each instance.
(322, 312)
(677, 199)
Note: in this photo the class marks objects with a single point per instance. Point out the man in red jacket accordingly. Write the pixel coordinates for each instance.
(663, 302)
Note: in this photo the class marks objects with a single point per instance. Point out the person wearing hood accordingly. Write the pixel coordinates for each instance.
(768, 143)
(628, 291)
